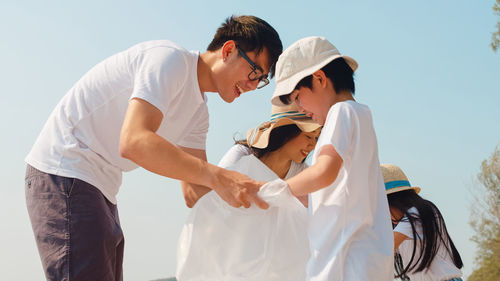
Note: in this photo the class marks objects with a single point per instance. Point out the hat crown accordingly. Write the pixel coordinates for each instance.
(395, 179)
(392, 173)
(303, 54)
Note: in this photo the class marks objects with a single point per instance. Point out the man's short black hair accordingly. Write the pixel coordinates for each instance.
(250, 34)
(338, 71)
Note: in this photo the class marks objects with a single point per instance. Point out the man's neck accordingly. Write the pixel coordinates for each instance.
(206, 62)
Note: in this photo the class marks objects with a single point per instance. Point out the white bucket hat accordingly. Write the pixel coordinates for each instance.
(301, 59)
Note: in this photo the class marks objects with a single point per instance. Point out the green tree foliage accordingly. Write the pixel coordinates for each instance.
(495, 37)
(485, 220)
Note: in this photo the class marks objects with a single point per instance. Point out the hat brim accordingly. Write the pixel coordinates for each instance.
(401, 188)
(260, 139)
(287, 86)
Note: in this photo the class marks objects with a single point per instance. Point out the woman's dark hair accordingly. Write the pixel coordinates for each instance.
(434, 231)
(277, 138)
(338, 71)
(250, 34)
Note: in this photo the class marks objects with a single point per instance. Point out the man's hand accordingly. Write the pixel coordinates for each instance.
(193, 192)
(237, 189)
(234, 188)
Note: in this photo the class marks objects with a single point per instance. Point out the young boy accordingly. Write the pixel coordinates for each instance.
(145, 107)
(349, 232)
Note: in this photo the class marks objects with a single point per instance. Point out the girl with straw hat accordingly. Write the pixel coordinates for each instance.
(219, 242)
(432, 254)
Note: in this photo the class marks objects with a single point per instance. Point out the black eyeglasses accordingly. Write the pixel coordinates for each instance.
(257, 73)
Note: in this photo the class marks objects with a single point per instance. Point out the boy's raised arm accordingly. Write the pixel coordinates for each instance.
(321, 174)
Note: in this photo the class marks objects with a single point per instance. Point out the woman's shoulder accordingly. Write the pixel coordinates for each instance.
(235, 153)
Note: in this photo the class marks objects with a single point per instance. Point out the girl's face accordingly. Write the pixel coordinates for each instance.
(396, 215)
(299, 147)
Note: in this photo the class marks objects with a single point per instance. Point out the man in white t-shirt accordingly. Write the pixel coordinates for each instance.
(144, 107)
(350, 234)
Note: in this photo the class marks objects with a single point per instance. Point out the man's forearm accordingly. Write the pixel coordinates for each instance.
(154, 153)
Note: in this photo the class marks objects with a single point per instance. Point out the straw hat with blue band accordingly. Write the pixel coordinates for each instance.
(395, 180)
(280, 116)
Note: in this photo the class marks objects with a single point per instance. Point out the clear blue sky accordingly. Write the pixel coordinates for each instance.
(426, 71)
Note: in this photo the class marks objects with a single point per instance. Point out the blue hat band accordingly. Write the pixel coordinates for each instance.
(294, 115)
(394, 184)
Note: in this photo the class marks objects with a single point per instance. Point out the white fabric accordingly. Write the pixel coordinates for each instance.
(350, 232)
(441, 268)
(222, 243)
(81, 137)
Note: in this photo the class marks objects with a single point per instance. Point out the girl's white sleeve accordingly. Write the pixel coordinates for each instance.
(404, 225)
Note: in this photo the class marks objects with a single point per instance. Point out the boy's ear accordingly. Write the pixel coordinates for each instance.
(228, 49)
(321, 77)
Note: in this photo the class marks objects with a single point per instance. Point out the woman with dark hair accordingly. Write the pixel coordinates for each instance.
(219, 242)
(423, 248)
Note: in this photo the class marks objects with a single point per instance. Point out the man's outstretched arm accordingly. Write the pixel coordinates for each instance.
(140, 143)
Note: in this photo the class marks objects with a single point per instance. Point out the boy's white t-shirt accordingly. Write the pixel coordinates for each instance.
(81, 137)
(350, 232)
(441, 268)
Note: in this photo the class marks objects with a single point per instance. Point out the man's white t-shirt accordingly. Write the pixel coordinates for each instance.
(350, 232)
(222, 243)
(81, 137)
(441, 268)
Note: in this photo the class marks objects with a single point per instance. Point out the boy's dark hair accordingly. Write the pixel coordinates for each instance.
(250, 34)
(435, 234)
(338, 71)
(277, 138)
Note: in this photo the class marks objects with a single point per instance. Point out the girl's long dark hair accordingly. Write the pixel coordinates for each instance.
(277, 138)
(434, 231)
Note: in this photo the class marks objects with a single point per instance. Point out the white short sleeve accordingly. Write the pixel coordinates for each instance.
(233, 155)
(404, 226)
(161, 72)
(197, 137)
(338, 130)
